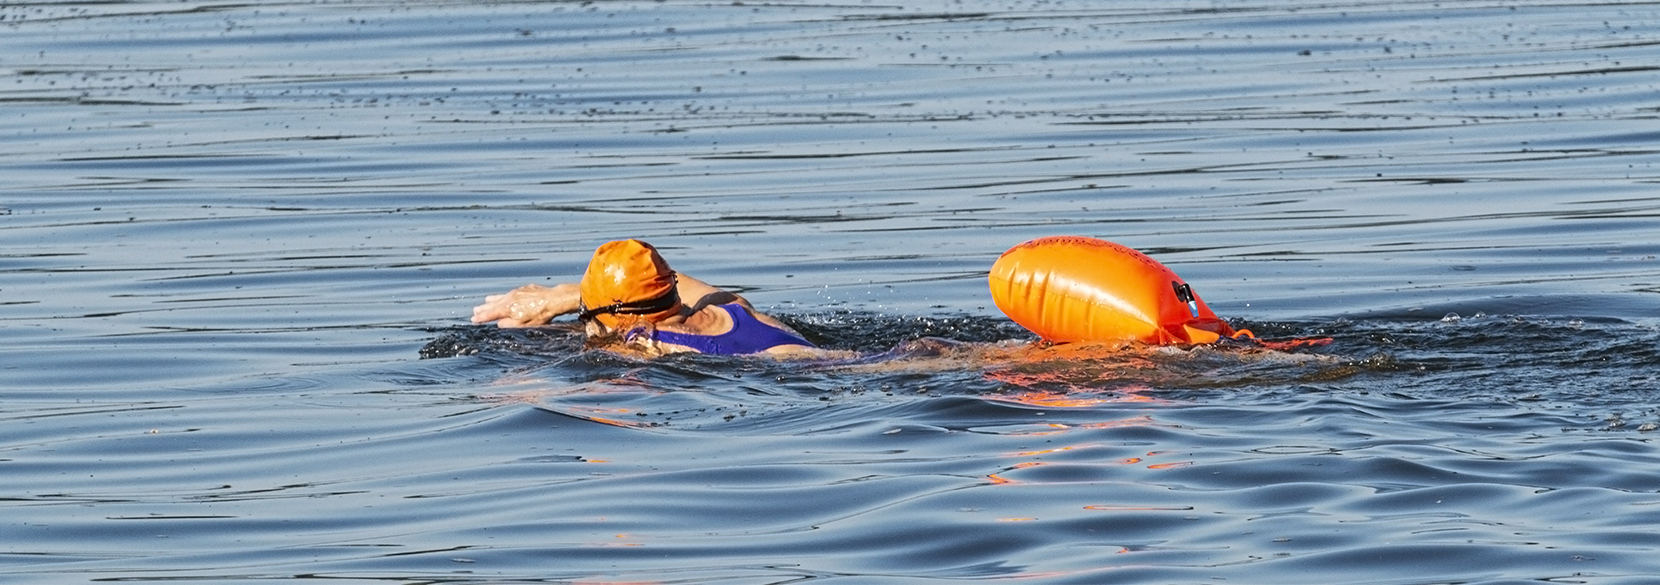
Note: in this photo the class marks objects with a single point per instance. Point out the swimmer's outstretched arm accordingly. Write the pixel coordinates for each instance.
(534, 305)
(529, 305)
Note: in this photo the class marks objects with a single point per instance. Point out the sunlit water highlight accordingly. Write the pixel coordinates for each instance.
(238, 242)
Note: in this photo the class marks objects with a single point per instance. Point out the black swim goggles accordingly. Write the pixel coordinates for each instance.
(654, 305)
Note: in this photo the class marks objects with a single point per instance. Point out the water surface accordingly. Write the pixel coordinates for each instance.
(238, 244)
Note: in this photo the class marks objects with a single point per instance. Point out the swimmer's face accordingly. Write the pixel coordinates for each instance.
(594, 329)
(601, 337)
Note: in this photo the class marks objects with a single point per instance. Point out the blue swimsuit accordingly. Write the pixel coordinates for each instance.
(748, 335)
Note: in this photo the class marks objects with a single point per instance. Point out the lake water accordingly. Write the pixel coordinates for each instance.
(239, 242)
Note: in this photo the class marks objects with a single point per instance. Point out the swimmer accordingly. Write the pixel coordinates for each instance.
(630, 299)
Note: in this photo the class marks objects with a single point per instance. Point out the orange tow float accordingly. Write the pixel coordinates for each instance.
(1075, 288)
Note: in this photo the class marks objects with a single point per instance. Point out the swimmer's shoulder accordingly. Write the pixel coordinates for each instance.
(805, 352)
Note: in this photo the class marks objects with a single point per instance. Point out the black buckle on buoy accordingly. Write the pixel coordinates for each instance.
(1184, 293)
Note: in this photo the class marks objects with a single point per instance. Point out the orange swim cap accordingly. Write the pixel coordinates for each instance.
(628, 277)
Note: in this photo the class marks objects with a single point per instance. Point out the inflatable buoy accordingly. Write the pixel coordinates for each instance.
(1075, 288)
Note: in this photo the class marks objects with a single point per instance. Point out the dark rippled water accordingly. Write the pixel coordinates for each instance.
(238, 243)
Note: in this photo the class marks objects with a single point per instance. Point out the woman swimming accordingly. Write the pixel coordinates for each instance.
(630, 298)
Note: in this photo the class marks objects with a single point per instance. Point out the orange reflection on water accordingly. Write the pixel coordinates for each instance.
(1045, 451)
(997, 478)
(1079, 397)
(1048, 399)
(614, 422)
(1052, 429)
(594, 413)
(1137, 421)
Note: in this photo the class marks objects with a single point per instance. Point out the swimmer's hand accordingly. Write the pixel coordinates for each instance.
(529, 305)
